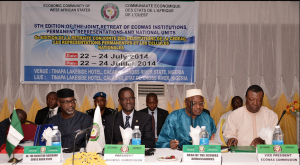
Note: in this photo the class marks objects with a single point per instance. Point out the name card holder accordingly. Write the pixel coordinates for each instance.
(124, 153)
(277, 153)
(202, 153)
(40, 154)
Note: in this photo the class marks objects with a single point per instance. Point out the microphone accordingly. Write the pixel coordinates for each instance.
(112, 130)
(281, 116)
(41, 129)
(78, 133)
(192, 113)
(84, 130)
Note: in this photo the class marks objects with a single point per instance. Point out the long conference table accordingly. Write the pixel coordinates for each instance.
(228, 158)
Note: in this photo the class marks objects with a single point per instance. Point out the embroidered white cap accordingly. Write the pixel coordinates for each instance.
(193, 92)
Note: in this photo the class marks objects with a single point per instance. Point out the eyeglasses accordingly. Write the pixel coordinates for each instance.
(126, 99)
(199, 103)
(68, 102)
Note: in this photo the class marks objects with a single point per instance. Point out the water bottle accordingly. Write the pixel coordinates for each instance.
(204, 136)
(136, 136)
(277, 136)
(56, 137)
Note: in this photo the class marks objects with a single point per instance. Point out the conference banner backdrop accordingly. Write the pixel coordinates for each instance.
(108, 42)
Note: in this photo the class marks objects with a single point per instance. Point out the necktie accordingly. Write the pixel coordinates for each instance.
(153, 123)
(127, 125)
(51, 113)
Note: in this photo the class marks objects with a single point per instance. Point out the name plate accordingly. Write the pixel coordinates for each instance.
(124, 153)
(202, 153)
(277, 153)
(39, 154)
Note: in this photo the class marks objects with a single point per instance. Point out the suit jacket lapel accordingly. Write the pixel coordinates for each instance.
(59, 110)
(48, 109)
(120, 119)
(159, 120)
(135, 120)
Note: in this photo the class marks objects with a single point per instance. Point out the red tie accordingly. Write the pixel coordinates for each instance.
(153, 123)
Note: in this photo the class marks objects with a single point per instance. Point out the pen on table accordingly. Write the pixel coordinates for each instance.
(233, 141)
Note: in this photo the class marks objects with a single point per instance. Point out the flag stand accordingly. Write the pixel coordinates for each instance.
(13, 160)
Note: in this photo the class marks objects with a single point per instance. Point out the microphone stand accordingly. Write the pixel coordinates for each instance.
(86, 140)
(112, 132)
(192, 113)
(74, 147)
(41, 129)
(281, 116)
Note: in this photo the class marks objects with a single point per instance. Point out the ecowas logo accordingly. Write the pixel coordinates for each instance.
(110, 12)
(95, 132)
(43, 149)
(124, 149)
(201, 148)
(277, 148)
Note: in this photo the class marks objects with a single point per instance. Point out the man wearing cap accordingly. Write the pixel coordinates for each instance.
(52, 108)
(70, 121)
(100, 99)
(176, 129)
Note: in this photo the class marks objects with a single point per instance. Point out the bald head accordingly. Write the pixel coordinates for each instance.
(21, 114)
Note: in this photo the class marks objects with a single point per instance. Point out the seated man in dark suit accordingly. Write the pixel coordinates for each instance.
(52, 106)
(70, 121)
(4, 125)
(158, 115)
(128, 118)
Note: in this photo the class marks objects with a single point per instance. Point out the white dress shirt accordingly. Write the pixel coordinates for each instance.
(54, 112)
(130, 119)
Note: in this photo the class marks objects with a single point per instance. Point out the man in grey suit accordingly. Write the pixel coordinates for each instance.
(158, 115)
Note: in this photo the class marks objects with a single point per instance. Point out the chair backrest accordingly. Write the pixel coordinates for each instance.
(28, 130)
(26, 122)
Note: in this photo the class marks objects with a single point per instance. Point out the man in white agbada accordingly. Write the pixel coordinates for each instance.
(243, 124)
(236, 102)
(97, 140)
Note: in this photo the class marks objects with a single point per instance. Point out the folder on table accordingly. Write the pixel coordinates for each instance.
(39, 136)
(249, 149)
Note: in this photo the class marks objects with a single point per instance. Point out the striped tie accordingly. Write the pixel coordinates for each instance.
(127, 125)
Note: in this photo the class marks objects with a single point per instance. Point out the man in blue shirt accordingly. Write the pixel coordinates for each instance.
(175, 131)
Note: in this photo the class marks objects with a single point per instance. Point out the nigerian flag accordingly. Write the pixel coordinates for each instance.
(15, 134)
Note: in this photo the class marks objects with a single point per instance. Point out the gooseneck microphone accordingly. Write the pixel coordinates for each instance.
(192, 113)
(41, 129)
(78, 133)
(112, 130)
(85, 130)
(281, 116)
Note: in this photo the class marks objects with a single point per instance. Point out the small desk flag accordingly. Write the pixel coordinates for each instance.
(97, 140)
(15, 134)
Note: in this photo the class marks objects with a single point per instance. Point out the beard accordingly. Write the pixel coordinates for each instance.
(70, 112)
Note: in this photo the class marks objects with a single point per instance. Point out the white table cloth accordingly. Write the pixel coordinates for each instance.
(228, 159)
